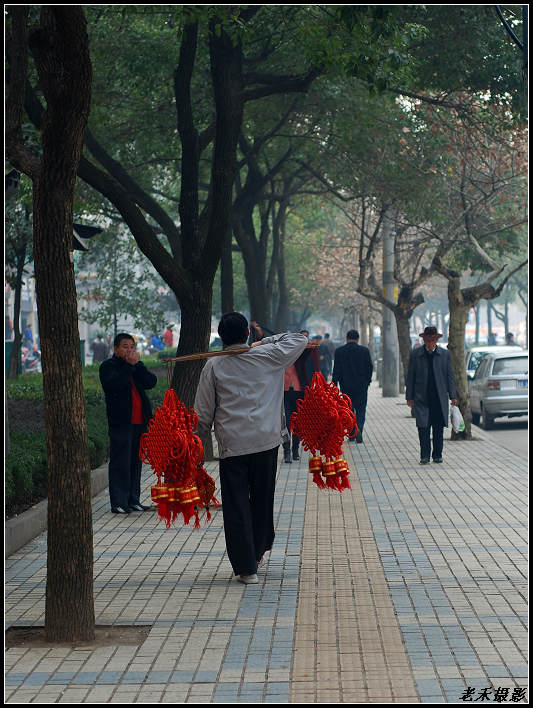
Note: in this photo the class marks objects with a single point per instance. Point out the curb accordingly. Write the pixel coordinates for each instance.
(31, 523)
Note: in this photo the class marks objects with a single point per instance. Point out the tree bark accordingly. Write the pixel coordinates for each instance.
(61, 49)
(194, 337)
(226, 275)
(459, 308)
(404, 341)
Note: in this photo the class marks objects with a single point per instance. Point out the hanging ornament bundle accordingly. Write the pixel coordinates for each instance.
(322, 420)
(175, 455)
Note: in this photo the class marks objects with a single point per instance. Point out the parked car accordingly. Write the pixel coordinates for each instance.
(474, 355)
(500, 387)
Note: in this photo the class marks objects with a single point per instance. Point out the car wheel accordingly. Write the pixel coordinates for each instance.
(475, 418)
(487, 421)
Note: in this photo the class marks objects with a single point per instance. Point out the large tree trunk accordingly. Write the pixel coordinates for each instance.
(459, 309)
(194, 337)
(60, 48)
(226, 275)
(404, 341)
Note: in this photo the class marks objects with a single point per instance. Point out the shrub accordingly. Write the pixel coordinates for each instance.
(25, 468)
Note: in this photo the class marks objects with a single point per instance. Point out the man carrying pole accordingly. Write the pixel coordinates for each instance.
(243, 396)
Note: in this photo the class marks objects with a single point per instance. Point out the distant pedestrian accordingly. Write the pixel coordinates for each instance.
(311, 361)
(509, 340)
(429, 385)
(297, 377)
(9, 328)
(125, 380)
(156, 343)
(168, 338)
(353, 372)
(324, 357)
(99, 350)
(328, 343)
(28, 337)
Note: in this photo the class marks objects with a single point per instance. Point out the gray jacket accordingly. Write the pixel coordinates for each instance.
(243, 395)
(417, 383)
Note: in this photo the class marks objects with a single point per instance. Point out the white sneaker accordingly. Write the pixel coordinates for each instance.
(248, 579)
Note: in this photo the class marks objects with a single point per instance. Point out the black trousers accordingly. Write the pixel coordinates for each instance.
(424, 435)
(359, 400)
(248, 483)
(124, 464)
(289, 401)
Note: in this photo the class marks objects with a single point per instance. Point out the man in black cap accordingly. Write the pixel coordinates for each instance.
(353, 371)
(428, 386)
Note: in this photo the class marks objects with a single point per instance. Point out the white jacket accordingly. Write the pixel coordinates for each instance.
(243, 395)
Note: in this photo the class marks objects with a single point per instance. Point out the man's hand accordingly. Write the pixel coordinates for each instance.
(454, 402)
(257, 343)
(133, 358)
(410, 403)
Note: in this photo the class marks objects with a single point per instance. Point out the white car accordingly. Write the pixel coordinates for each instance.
(474, 355)
(500, 387)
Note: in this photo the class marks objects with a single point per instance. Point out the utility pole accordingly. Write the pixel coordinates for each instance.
(391, 358)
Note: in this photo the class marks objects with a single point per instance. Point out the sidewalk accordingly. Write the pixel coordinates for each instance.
(408, 588)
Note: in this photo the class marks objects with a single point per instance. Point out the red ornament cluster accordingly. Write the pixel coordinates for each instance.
(175, 455)
(322, 420)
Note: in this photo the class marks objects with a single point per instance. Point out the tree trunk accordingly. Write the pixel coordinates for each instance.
(282, 316)
(69, 586)
(226, 275)
(456, 346)
(194, 338)
(404, 342)
(478, 320)
(60, 48)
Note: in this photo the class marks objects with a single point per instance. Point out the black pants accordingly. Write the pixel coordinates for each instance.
(124, 464)
(248, 483)
(289, 401)
(424, 435)
(359, 400)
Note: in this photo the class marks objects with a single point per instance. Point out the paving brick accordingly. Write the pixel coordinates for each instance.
(406, 588)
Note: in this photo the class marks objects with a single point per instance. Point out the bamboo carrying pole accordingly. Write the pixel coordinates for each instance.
(223, 352)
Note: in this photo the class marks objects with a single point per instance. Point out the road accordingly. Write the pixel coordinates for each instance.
(510, 433)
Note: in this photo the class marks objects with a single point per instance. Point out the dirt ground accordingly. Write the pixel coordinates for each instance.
(33, 637)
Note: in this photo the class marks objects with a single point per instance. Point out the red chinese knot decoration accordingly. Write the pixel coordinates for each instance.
(322, 420)
(175, 455)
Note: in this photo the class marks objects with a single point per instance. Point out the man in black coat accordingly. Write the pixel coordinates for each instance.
(353, 371)
(125, 379)
(428, 386)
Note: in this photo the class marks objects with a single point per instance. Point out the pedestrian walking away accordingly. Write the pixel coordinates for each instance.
(296, 378)
(242, 396)
(428, 386)
(331, 349)
(168, 338)
(324, 356)
(99, 350)
(125, 380)
(353, 370)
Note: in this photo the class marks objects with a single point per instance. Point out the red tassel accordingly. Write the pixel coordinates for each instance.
(317, 479)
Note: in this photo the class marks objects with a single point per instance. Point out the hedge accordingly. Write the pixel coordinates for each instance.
(25, 465)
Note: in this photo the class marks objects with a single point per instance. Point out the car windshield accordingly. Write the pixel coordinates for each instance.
(475, 358)
(514, 365)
